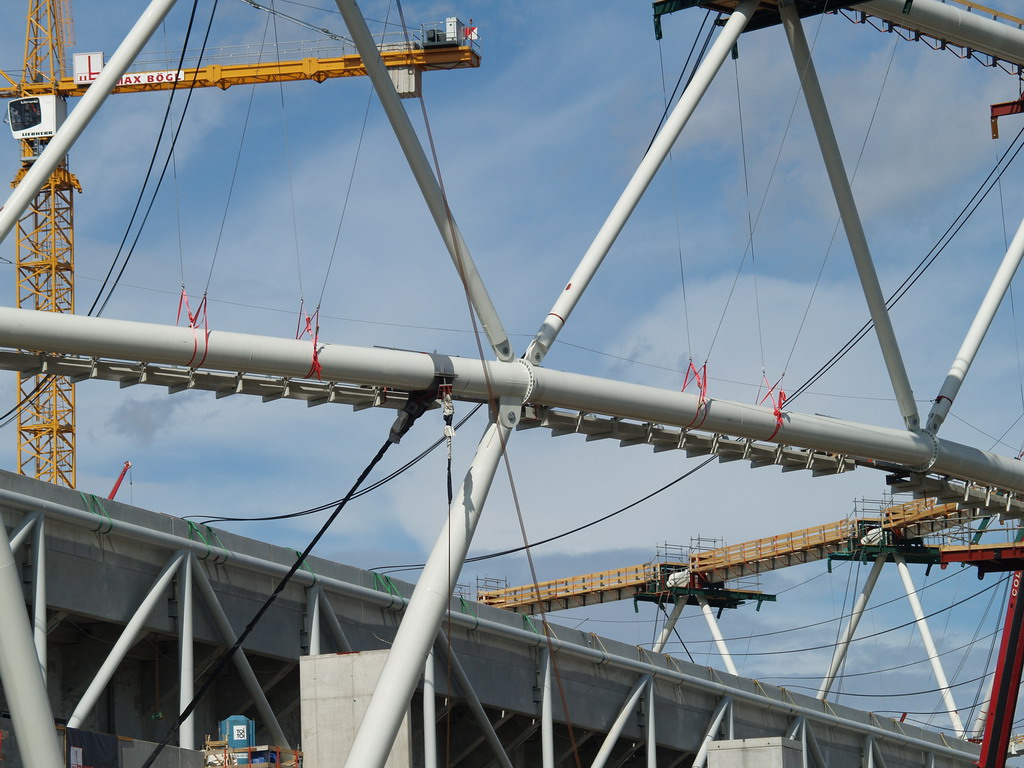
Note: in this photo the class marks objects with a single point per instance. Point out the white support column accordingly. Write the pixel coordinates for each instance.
(652, 736)
(227, 634)
(39, 592)
(429, 714)
(547, 731)
(976, 333)
(633, 697)
(125, 642)
(849, 215)
(638, 184)
(839, 655)
(929, 645)
(81, 115)
(429, 186)
(22, 681)
(186, 654)
(716, 633)
(724, 706)
(313, 619)
(475, 706)
(979, 721)
(333, 625)
(430, 600)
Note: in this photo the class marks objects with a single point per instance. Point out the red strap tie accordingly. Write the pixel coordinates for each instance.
(193, 323)
(777, 403)
(313, 331)
(700, 378)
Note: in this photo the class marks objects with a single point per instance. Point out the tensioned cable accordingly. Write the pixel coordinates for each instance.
(865, 637)
(929, 258)
(351, 180)
(288, 165)
(234, 172)
(835, 229)
(764, 198)
(750, 222)
(152, 163)
(327, 505)
(503, 553)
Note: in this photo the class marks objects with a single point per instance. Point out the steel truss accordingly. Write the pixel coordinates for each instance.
(655, 677)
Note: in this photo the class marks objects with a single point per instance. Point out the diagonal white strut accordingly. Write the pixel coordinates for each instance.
(848, 213)
(430, 600)
(976, 333)
(430, 188)
(638, 184)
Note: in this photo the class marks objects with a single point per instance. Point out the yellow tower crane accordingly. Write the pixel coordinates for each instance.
(45, 259)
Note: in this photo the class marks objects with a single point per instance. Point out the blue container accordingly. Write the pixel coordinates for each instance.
(239, 732)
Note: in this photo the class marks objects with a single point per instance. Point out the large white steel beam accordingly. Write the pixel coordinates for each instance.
(430, 187)
(953, 24)
(848, 213)
(81, 115)
(186, 655)
(426, 608)
(476, 380)
(642, 177)
(716, 633)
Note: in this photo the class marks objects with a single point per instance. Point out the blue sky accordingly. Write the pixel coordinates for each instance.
(535, 147)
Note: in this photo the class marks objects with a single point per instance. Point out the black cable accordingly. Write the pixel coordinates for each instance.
(503, 553)
(922, 266)
(152, 163)
(228, 654)
(327, 505)
(686, 66)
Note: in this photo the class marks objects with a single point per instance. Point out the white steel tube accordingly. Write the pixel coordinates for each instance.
(929, 645)
(716, 633)
(633, 697)
(80, 116)
(475, 706)
(186, 654)
(716, 722)
(547, 719)
(412, 371)
(22, 530)
(979, 721)
(333, 625)
(125, 642)
(429, 713)
(628, 708)
(429, 186)
(313, 620)
(652, 739)
(954, 24)
(851, 627)
(848, 213)
(430, 600)
(23, 683)
(976, 333)
(220, 620)
(39, 593)
(642, 177)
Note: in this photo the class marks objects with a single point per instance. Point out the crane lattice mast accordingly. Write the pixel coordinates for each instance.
(45, 260)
